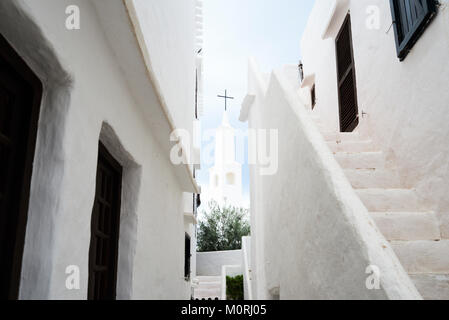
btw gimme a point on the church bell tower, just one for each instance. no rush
(225, 177)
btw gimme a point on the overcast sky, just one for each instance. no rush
(268, 30)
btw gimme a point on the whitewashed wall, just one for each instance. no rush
(88, 96)
(406, 102)
(173, 52)
(312, 238)
(210, 263)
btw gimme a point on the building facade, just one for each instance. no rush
(99, 89)
(360, 193)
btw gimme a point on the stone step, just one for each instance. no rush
(423, 256)
(208, 278)
(201, 293)
(341, 136)
(212, 293)
(373, 178)
(386, 200)
(352, 146)
(408, 225)
(360, 160)
(210, 285)
(432, 286)
(315, 118)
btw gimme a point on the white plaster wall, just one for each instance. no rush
(319, 60)
(312, 237)
(151, 249)
(257, 86)
(210, 263)
(173, 53)
(406, 102)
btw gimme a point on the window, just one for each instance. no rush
(410, 19)
(20, 99)
(230, 178)
(313, 97)
(187, 256)
(301, 71)
(103, 252)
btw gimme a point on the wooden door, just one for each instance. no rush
(20, 98)
(347, 91)
(105, 225)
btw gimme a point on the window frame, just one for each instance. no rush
(406, 41)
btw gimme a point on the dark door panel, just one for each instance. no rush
(105, 224)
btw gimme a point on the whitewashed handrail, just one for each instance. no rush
(320, 239)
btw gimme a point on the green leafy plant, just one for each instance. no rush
(234, 288)
(222, 228)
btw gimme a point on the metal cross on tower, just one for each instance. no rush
(226, 99)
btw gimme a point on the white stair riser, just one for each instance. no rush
(316, 119)
(423, 256)
(360, 160)
(397, 212)
(204, 291)
(432, 286)
(372, 178)
(209, 285)
(407, 225)
(341, 137)
(395, 200)
(352, 146)
(207, 293)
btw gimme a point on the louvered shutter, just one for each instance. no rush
(410, 18)
(347, 92)
(105, 225)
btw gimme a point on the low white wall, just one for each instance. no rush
(314, 238)
(246, 268)
(210, 263)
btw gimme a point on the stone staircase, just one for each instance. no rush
(406, 223)
(207, 288)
